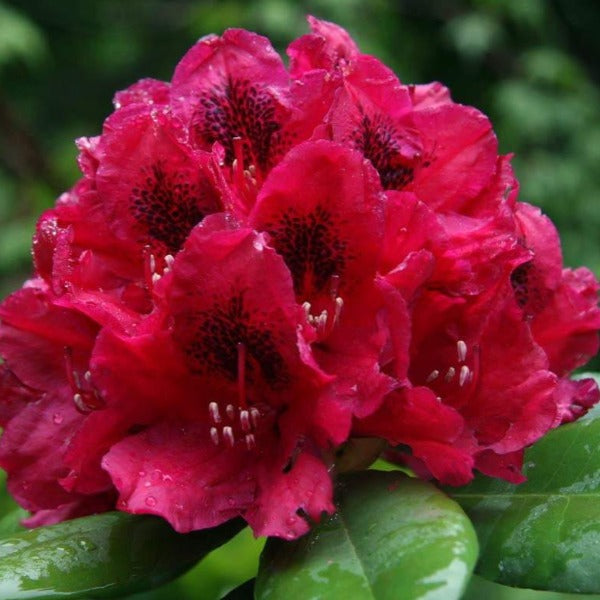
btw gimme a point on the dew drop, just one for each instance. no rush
(167, 478)
(86, 545)
(230, 501)
(290, 535)
(122, 504)
(150, 501)
(147, 484)
(142, 473)
(57, 418)
(156, 475)
(291, 521)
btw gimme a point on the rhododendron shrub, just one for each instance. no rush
(260, 264)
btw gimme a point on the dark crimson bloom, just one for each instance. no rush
(259, 265)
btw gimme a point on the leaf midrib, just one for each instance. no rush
(346, 531)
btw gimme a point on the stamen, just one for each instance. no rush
(245, 420)
(464, 375)
(87, 376)
(339, 304)
(432, 376)
(230, 411)
(241, 365)
(306, 307)
(237, 166)
(250, 441)
(335, 285)
(169, 260)
(214, 436)
(152, 262)
(228, 435)
(76, 379)
(80, 404)
(155, 278)
(450, 374)
(213, 409)
(461, 350)
(254, 415)
(73, 384)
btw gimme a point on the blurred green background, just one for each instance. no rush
(532, 65)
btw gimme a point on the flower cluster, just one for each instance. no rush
(260, 263)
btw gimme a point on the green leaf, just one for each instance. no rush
(101, 556)
(392, 537)
(482, 588)
(544, 533)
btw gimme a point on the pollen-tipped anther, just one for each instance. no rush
(245, 420)
(228, 435)
(432, 376)
(213, 409)
(464, 375)
(339, 304)
(450, 374)
(461, 350)
(254, 415)
(214, 436)
(250, 441)
(230, 410)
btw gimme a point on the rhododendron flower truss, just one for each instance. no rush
(260, 265)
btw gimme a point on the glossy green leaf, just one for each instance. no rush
(544, 533)
(392, 537)
(480, 588)
(101, 556)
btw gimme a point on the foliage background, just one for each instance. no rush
(533, 66)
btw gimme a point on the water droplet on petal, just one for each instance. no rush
(142, 473)
(57, 418)
(290, 535)
(230, 501)
(291, 521)
(150, 501)
(122, 504)
(156, 475)
(147, 484)
(167, 478)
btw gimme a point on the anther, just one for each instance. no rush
(432, 376)
(80, 404)
(306, 306)
(339, 304)
(155, 278)
(230, 411)
(169, 260)
(464, 375)
(214, 436)
(213, 409)
(450, 374)
(461, 350)
(250, 441)
(76, 379)
(228, 435)
(245, 420)
(254, 415)
(152, 263)
(87, 376)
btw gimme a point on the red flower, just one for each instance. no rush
(258, 264)
(235, 410)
